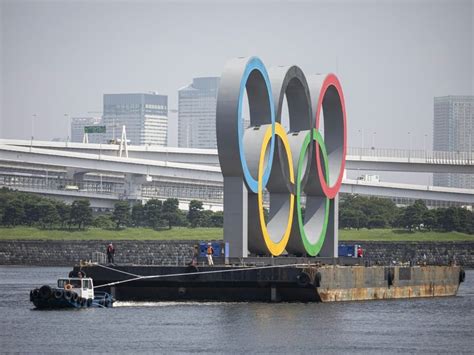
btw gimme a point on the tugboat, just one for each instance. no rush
(71, 292)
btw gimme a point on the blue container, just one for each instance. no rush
(346, 250)
(202, 249)
(217, 249)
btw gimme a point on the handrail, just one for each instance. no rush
(432, 157)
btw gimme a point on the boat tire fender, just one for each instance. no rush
(67, 294)
(58, 294)
(45, 291)
(462, 275)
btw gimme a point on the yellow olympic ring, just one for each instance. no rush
(275, 248)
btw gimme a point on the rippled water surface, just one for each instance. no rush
(439, 325)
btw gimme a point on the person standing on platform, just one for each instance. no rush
(110, 253)
(360, 252)
(210, 251)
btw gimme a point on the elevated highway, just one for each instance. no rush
(396, 160)
(137, 178)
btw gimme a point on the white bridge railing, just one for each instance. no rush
(430, 157)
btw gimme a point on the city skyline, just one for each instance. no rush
(392, 58)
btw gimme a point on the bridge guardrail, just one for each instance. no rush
(431, 157)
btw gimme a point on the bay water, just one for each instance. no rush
(430, 325)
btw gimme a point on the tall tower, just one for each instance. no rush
(145, 117)
(197, 113)
(453, 131)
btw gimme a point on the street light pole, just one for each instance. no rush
(409, 146)
(68, 128)
(33, 117)
(361, 131)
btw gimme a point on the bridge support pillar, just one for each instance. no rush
(133, 186)
(77, 176)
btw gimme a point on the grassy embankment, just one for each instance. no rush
(176, 233)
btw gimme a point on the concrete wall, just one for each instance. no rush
(67, 253)
(440, 253)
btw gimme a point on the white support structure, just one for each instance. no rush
(123, 143)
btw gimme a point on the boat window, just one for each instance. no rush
(76, 283)
(62, 283)
(85, 284)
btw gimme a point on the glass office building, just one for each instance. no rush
(145, 116)
(453, 128)
(197, 113)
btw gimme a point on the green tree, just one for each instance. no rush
(138, 215)
(413, 216)
(31, 211)
(376, 221)
(450, 219)
(103, 221)
(14, 213)
(81, 213)
(430, 219)
(153, 209)
(206, 218)
(47, 214)
(170, 212)
(64, 213)
(121, 215)
(195, 213)
(217, 219)
(352, 218)
(466, 221)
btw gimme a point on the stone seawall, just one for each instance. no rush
(437, 253)
(173, 252)
(68, 253)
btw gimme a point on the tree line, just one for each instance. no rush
(27, 209)
(371, 212)
(158, 214)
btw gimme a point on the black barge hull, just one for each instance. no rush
(309, 283)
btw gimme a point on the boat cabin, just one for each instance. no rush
(84, 287)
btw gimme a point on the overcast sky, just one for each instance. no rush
(392, 57)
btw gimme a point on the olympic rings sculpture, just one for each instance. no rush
(289, 163)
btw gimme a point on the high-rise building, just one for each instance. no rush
(453, 131)
(197, 113)
(77, 129)
(145, 117)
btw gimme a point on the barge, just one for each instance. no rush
(298, 282)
